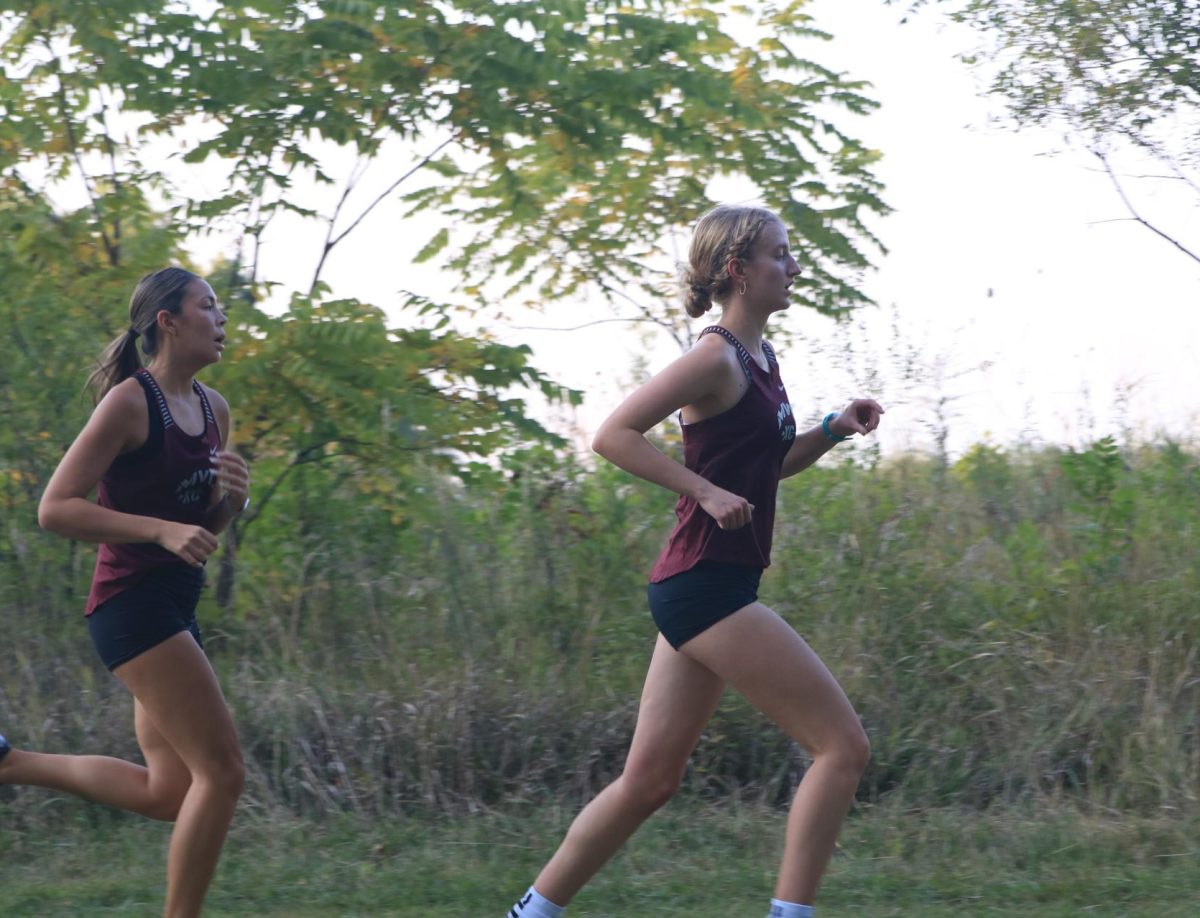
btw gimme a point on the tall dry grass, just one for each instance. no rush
(1018, 625)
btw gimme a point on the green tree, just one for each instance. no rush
(554, 148)
(561, 140)
(58, 288)
(329, 383)
(1119, 73)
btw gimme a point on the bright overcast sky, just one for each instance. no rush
(1030, 314)
(1002, 254)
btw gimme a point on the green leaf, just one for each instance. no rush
(439, 241)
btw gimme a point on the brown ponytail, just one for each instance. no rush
(159, 290)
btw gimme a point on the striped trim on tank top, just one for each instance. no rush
(161, 401)
(744, 354)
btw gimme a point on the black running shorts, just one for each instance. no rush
(690, 602)
(157, 607)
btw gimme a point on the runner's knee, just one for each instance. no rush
(224, 771)
(650, 788)
(165, 807)
(852, 750)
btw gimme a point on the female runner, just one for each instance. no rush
(167, 487)
(740, 439)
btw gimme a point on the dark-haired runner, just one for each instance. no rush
(154, 446)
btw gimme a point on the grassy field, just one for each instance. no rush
(692, 860)
(1017, 629)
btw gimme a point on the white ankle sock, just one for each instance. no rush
(534, 905)
(781, 909)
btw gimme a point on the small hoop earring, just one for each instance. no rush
(742, 292)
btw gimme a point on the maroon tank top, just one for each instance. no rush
(170, 477)
(742, 451)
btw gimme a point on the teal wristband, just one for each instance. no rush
(829, 434)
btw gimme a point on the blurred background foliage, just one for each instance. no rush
(1016, 626)
(435, 603)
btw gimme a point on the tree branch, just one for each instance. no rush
(331, 241)
(1151, 175)
(259, 229)
(254, 227)
(570, 328)
(112, 167)
(1138, 217)
(314, 453)
(355, 174)
(114, 254)
(1156, 149)
(650, 316)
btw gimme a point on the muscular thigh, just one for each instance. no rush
(167, 769)
(181, 702)
(679, 697)
(763, 658)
